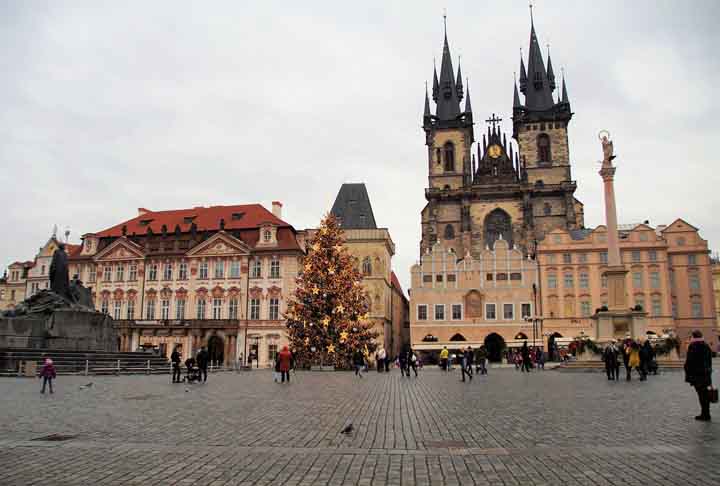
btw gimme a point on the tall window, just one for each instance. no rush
(656, 305)
(256, 269)
(150, 309)
(200, 314)
(219, 269)
(636, 256)
(274, 309)
(217, 308)
(182, 271)
(275, 268)
(152, 272)
(203, 271)
(525, 310)
(567, 258)
(490, 312)
(120, 273)
(640, 300)
(498, 224)
(692, 259)
(167, 271)
(569, 283)
(603, 281)
(107, 273)
(569, 307)
(439, 312)
(180, 309)
(130, 309)
(583, 258)
(603, 257)
(508, 312)
(637, 280)
(652, 255)
(117, 311)
(165, 309)
(233, 309)
(422, 312)
(104, 307)
(272, 352)
(655, 280)
(584, 280)
(697, 309)
(254, 309)
(235, 269)
(457, 312)
(449, 150)
(585, 308)
(366, 266)
(694, 281)
(267, 236)
(132, 273)
(543, 148)
(449, 232)
(552, 281)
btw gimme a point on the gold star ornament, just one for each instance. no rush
(331, 348)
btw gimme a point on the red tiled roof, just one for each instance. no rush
(396, 283)
(72, 250)
(28, 263)
(208, 219)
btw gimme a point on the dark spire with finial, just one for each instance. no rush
(448, 102)
(468, 106)
(564, 89)
(516, 97)
(426, 113)
(459, 83)
(436, 84)
(538, 93)
(550, 73)
(523, 75)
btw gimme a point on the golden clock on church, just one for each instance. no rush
(494, 151)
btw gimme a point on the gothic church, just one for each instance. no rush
(517, 195)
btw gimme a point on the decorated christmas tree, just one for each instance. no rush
(327, 316)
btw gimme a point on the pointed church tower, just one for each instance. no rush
(540, 127)
(449, 137)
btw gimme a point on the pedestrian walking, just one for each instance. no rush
(175, 359)
(202, 363)
(525, 353)
(285, 360)
(444, 358)
(646, 354)
(48, 374)
(412, 362)
(633, 351)
(276, 368)
(540, 358)
(386, 363)
(481, 360)
(698, 372)
(359, 362)
(467, 363)
(380, 359)
(610, 357)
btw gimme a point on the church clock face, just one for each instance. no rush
(494, 151)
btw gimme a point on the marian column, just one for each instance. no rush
(619, 320)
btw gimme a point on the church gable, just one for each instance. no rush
(220, 244)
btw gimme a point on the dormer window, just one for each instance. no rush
(237, 216)
(145, 222)
(188, 219)
(267, 236)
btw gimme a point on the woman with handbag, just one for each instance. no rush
(698, 372)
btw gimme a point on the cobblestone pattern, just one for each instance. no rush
(508, 428)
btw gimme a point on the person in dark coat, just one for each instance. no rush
(175, 359)
(525, 353)
(358, 362)
(698, 372)
(48, 374)
(646, 354)
(480, 360)
(412, 362)
(202, 362)
(612, 365)
(403, 359)
(467, 363)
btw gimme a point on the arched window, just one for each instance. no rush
(449, 232)
(498, 224)
(367, 266)
(537, 80)
(449, 157)
(543, 148)
(458, 337)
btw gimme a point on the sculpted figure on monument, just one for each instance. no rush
(59, 277)
(607, 147)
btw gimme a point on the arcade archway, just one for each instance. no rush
(216, 350)
(495, 345)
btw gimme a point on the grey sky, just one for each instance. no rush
(109, 106)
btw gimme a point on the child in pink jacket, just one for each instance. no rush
(48, 374)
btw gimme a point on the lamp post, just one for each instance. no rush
(257, 352)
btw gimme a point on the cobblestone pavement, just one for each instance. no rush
(508, 428)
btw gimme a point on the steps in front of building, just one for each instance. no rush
(600, 366)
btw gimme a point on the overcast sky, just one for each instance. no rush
(110, 106)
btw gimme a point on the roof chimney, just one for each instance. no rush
(142, 211)
(277, 209)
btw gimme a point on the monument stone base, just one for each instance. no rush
(613, 324)
(63, 329)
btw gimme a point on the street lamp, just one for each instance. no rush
(537, 330)
(257, 352)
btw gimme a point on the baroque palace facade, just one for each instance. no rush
(215, 276)
(504, 253)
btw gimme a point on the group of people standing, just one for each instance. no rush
(196, 367)
(468, 358)
(635, 357)
(526, 358)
